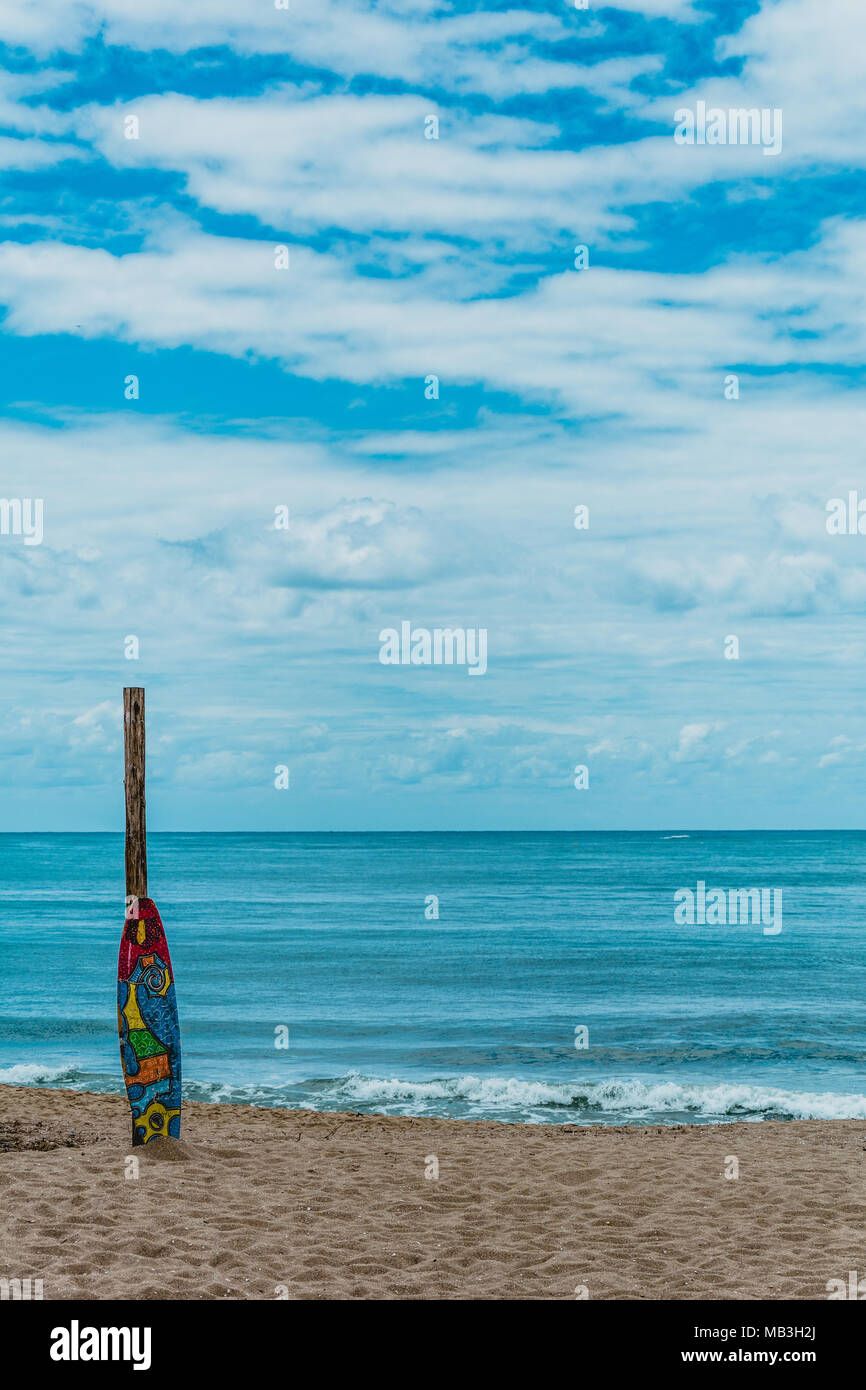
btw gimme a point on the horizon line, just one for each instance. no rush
(483, 830)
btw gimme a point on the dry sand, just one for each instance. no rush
(338, 1206)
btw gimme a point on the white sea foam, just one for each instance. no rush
(35, 1074)
(633, 1099)
(616, 1100)
(506, 1091)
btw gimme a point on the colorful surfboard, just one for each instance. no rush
(146, 1003)
(148, 1026)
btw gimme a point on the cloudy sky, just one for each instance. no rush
(262, 388)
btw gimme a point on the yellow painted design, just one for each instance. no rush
(141, 933)
(131, 1011)
(155, 1111)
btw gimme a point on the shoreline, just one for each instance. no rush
(473, 1097)
(269, 1203)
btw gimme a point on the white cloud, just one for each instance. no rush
(304, 161)
(415, 41)
(692, 745)
(774, 583)
(301, 159)
(579, 339)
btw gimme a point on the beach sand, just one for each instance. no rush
(263, 1203)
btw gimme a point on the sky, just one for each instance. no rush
(696, 385)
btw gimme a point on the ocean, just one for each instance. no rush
(555, 986)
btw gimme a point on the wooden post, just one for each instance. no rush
(133, 781)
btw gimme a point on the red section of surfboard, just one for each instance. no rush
(148, 924)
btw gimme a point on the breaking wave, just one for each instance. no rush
(616, 1101)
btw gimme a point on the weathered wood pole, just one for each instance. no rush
(133, 781)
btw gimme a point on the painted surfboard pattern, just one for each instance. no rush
(148, 1027)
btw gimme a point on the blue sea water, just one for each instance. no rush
(471, 1015)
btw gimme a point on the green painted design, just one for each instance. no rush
(144, 1044)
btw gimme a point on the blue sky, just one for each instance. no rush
(304, 388)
